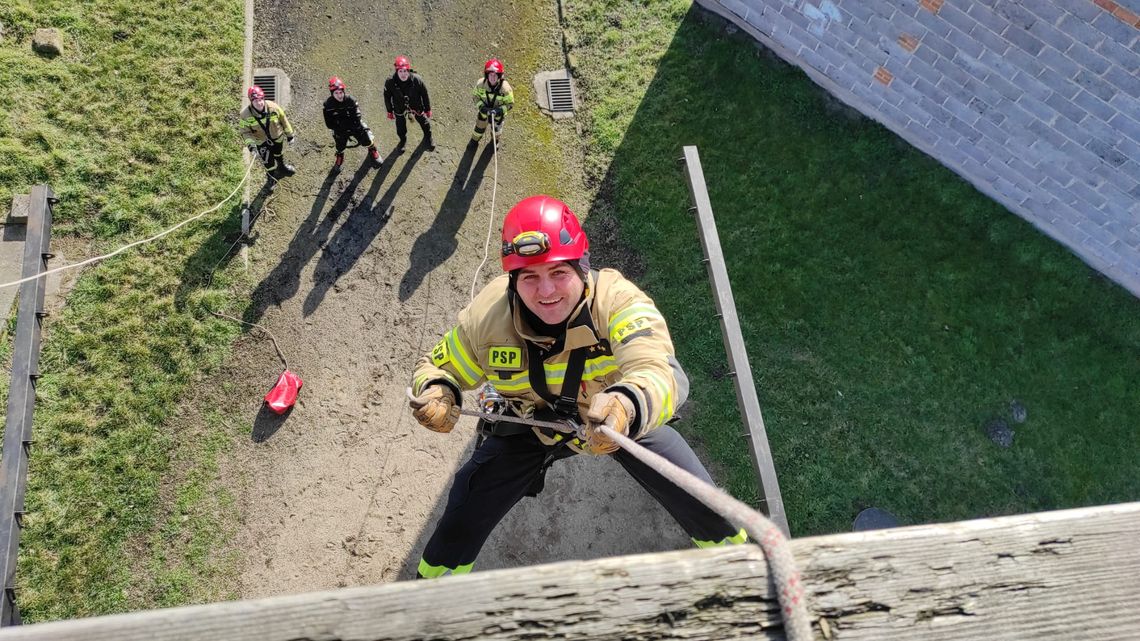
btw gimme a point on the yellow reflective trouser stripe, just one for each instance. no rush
(643, 309)
(468, 369)
(662, 388)
(556, 374)
(737, 539)
(429, 571)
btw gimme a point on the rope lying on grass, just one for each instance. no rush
(137, 242)
(273, 338)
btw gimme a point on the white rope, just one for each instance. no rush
(273, 338)
(491, 215)
(137, 242)
(789, 584)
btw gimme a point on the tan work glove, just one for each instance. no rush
(435, 408)
(614, 410)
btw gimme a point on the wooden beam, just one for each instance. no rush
(1055, 575)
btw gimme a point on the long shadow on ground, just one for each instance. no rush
(438, 242)
(283, 282)
(357, 233)
(216, 251)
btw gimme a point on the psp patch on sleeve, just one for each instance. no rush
(633, 328)
(439, 354)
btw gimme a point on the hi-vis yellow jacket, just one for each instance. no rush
(487, 96)
(631, 351)
(253, 125)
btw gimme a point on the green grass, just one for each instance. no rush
(190, 561)
(889, 309)
(132, 127)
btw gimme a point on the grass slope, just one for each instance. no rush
(889, 309)
(132, 127)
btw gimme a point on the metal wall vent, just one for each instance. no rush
(559, 94)
(268, 84)
(275, 83)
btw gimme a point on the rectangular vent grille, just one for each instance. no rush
(268, 84)
(559, 93)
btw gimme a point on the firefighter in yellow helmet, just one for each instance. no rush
(265, 129)
(493, 98)
(561, 343)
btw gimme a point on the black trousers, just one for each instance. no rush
(271, 153)
(402, 126)
(503, 468)
(362, 135)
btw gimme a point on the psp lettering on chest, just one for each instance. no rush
(505, 358)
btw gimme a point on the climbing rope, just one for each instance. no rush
(268, 333)
(789, 585)
(137, 242)
(491, 215)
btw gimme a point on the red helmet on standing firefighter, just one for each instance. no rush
(335, 83)
(493, 65)
(541, 229)
(255, 93)
(402, 62)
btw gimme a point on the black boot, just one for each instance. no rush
(400, 145)
(284, 171)
(430, 144)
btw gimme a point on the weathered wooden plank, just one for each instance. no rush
(1056, 575)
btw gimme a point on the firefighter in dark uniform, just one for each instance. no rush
(265, 129)
(406, 96)
(343, 117)
(558, 342)
(494, 97)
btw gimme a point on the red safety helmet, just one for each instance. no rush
(402, 62)
(335, 83)
(493, 65)
(255, 93)
(541, 229)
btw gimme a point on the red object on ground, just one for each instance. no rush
(284, 393)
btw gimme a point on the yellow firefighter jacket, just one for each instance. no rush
(491, 97)
(254, 126)
(630, 351)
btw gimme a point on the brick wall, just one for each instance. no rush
(1035, 102)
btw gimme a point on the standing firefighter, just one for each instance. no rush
(265, 129)
(563, 343)
(493, 97)
(406, 96)
(343, 117)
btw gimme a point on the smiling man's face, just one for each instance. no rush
(550, 290)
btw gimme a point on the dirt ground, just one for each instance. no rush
(359, 274)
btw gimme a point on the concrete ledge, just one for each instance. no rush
(18, 214)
